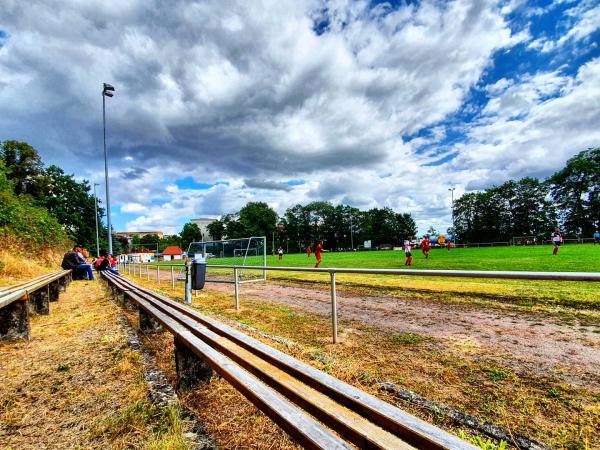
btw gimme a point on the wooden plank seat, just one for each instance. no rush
(32, 296)
(323, 402)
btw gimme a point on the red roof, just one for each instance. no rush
(172, 250)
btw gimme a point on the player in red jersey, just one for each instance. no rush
(318, 250)
(426, 246)
(308, 250)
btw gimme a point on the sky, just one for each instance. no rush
(367, 103)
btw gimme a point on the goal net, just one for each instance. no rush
(525, 240)
(243, 252)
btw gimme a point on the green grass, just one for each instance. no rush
(571, 258)
(527, 295)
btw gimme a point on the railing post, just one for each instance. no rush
(333, 308)
(158, 274)
(237, 289)
(188, 283)
(172, 278)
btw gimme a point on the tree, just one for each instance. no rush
(432, 231)
(234, 229)
(576, 192)
(168, 240)
(72, 204)
(190, 233)
(25, 168)
(216, 229)
(258, 219)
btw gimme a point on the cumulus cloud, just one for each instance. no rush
(335, 94)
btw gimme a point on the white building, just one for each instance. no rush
(203, 223)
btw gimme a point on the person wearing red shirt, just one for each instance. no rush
(426, 246)
(318, 250)
(308, 250)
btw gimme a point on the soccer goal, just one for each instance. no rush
(524, 240)
(251, 251)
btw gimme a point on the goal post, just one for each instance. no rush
(524, 240)
(250, 251)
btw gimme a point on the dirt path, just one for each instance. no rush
(526, 342)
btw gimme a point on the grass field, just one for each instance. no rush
(571, 258)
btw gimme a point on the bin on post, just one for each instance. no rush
(198, 273)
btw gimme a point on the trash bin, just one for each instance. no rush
(198, 273)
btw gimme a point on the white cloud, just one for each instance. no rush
(248, 93)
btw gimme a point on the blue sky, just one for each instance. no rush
(369, 103)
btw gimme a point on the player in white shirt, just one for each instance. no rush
(408, 253)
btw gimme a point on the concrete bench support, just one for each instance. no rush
(149, 324)
(39, 302)
(53, 291)
(14, 322)
(191, 370)
(127, 303)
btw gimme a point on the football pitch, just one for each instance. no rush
(570, 258)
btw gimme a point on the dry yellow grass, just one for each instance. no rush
(77, 384)
(17, 264)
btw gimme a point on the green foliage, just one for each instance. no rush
(190, 233)
(258, 219)
(67, 200)
(496, 374)
(576, 190)
(167, 240)
(72, 204)
(569, 199)
(479, 442)
(408, 338)
(515, 208)
(25, 221)
(25, 169)
(343, 226)
(216, 230)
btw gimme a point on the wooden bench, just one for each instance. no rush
(315, 408)
(33, 296)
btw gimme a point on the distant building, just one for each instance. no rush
(130, 234)
(203, 223)
(172, 252)
(138, 257)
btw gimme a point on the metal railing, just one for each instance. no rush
(496, 274)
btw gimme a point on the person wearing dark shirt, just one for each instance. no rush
(73, 261)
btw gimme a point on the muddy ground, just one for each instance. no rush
(529, 342)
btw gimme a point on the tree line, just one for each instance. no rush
(340, 226)
(569, 199)
(57, 196)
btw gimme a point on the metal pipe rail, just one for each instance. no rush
(285, 388)
(514, 275)
(503, 274)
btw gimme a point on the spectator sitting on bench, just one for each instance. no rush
(73, 260)
(105, 262)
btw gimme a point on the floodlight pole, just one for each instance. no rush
(107, 91)
(96, 216)
(453, 225)
(351, 234)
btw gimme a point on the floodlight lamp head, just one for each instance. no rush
(108, 90)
